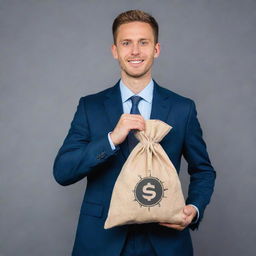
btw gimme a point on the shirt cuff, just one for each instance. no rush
(111, 142)
(197, 216)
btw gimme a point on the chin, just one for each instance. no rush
(136, 75)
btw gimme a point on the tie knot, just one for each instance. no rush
(135, 100)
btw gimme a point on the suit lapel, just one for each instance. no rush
(114, 108)
(113, 105)
(161, 106)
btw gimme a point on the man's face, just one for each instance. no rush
(135, 49)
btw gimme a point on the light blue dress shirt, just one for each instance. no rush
(145, 106)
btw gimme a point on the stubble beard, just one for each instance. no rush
(132, 75)
(136, 75)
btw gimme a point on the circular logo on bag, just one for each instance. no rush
(149, 191)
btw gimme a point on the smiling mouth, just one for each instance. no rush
(135, 61)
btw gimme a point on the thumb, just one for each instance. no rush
(187, 210)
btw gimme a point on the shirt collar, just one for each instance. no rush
(146, 93)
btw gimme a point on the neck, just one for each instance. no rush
(136, 85)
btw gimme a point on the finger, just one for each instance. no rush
(134, 124)
(131, 122)
(137, 117)
(132, 116)
(188, 220)
(174, 226)
(181, 224)
(169, 225)
(187, 210)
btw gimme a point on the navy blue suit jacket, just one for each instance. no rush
(86, 152)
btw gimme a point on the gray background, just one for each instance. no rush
(54, 52)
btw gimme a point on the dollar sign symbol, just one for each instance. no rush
(147, 189)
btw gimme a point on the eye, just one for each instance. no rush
(144, 42)
(125, 43)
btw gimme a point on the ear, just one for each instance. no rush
(157, 50)
(114, 51)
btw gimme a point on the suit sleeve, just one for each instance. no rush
(79, 155)
(202, 174)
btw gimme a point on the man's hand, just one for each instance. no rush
(126, 123)
(189, 213)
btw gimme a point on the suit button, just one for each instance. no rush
(101, 155)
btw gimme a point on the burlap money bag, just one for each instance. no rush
(148, 187)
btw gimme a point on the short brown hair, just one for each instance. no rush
(131, 16)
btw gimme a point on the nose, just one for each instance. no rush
(135, 49)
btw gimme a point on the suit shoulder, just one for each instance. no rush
(96, 97)
(177, 98)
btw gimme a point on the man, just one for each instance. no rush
(96, 147)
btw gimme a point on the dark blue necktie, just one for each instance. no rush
(132, 141)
